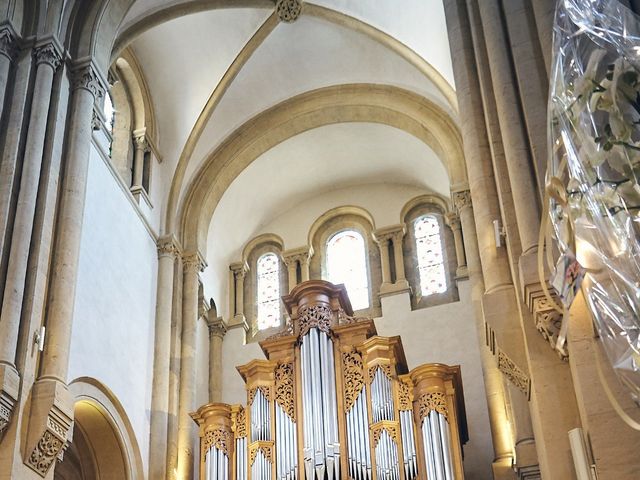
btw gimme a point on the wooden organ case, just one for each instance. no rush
(333, 400)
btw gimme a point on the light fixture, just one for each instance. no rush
(38, 338)
(499, 232)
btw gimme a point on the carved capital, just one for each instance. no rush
(9, 388)
(48, 54)
(302, 255)
(394, 233)
(288, 11)
(462, 199)
(168, 247)
(193, 263)
(217, 328)
(453, 220)
(239, 269)
(513, 373)
(8, 42)
(140, 141)
(86, 78)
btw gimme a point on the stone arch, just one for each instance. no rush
(104, 444)
(259, 240)
(434, 199)
(382, 104)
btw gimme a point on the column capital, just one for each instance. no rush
(217, 327)
(391, 232)
(140, 140)
(8, 42)
(193, 262)
(452, 219)
(300, 254)
(461, 199)
(85, 76)
(48, 52)
(239, 269)
(168, 246)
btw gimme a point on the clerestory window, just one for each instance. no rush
(430, 255)
(268, 291)
(347, 264)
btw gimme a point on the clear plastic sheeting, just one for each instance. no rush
(594, 167)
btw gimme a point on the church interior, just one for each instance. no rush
(304, 239)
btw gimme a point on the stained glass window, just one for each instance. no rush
(346, 263)
(430, 256)
(268, 272)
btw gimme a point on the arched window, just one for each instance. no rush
(433, 278)
(347, 263)
(268, 273)
(109, 113)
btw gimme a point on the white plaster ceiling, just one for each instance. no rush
(183, 60)
(267, 196)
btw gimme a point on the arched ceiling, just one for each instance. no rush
(212, 66)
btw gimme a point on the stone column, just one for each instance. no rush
(86, 86)
(239, 270)
(304, 267)
(141, 147)
(526, 197)
(452, 219)
(292, 271)
(8, 52)
(168, 250)
(217, 331)
(51, 404)
(193, 265)
(48, 59)
(393, 234)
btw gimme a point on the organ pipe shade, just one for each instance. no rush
(334, 400)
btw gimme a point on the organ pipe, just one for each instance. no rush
(334, 400)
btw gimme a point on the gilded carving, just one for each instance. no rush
(288, 10)
(318, 316)
(392, 430)
(344, 319)
(404, 394)
(252, 393)
(285, 389)
(45, 453)
(385, 367)
(353, 378)
(253, 451)
(432, 401)
(513, 373)
(218, 438)
(241, 423)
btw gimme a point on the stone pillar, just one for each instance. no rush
(239, 270)
(294, 257)
(8, 52)
(292, 271)
(193, 265)
(48, 59)
(141, 146)
(304, 267)
(217, 331)
(168, 250)
(453, 221)
(526, 197)
(393, 234)
(51, 404)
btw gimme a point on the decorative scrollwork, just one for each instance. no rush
(318, 316)
(45, 453)
(344, 319)
(218, 438)
(513, 373)
(241, 423)
(392, 430)
(432, 401)
(266, 451)
(252, 393)
(404, 394)
(386, 369)
(353, 377)
(285, 389)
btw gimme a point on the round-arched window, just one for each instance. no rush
(268, 273)
(347, 264)
(430, 256)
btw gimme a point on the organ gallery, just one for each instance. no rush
(332, 400)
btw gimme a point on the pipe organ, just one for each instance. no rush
(334, 400)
